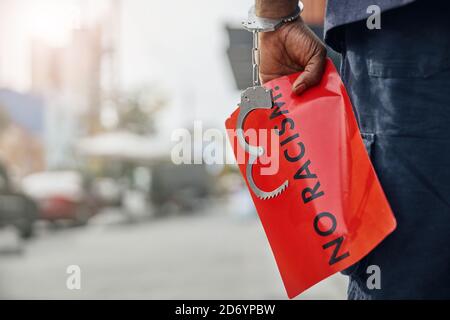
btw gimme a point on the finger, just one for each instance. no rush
(312, 74)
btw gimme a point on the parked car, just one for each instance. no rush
(16, 208)
(60, 195)
(182, 185)
(107, 191)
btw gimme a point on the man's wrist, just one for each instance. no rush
(275, 9)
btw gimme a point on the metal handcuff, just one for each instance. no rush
(258, 97)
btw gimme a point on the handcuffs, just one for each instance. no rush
(258, 97)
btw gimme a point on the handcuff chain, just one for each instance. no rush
(256, 54)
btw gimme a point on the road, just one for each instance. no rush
(210, 255)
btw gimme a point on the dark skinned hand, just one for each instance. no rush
(292, 48)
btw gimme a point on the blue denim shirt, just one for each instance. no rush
(398, 79)
(343, 12)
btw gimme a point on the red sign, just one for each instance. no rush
(329, 209)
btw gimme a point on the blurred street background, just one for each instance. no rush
(90, 94)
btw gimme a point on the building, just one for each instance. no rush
(21, 132)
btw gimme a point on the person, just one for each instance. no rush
(398, 78)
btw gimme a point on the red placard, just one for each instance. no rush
(333, 211)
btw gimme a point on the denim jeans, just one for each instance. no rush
(398, 79)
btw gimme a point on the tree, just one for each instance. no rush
(5, 120)
(138, 111)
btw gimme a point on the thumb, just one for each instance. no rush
(312, 74)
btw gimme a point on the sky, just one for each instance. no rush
(182, 45)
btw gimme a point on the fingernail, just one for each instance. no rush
(299, 87)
